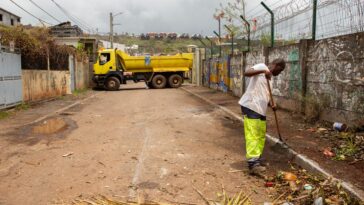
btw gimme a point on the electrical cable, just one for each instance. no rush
(39, 19)
(85, 27)
(35, 4)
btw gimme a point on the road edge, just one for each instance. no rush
(60, 110)
(300, 159)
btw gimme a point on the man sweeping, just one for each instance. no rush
(254, 105)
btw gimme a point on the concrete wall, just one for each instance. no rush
(335, 77)
(82, 74)
(236, 75)
(43, 84)
(323, 79)
(287, 87)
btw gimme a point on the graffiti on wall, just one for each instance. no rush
(214, 73)
(336, 72)
(223, 68)
(236, 75)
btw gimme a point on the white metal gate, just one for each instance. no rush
(10, 78)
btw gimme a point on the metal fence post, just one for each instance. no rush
(272, 22)
(314, 18)
(218, 35)
(232, 39)
(211, 46)
(210, 61)
(205, 47)
(242, 17)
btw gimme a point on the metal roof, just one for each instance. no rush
(9, 12)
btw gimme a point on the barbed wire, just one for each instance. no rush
(293, 20)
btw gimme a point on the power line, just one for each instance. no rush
(85, 27)
(39, 19)
(70, 16)
(35, 4)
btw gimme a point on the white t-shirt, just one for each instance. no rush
(256, 96)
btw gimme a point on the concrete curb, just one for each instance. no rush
(299, 159)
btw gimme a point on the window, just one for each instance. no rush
(18, 20)
(1, 17)
(104, 58)
(12, 22)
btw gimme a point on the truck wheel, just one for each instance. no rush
(112, 84)
(175, 81)
(149, 84)
(159, 81)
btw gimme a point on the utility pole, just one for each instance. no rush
(112, 28)
(111, 31)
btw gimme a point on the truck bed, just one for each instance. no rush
(178, 62)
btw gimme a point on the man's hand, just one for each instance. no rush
(274, 107)
(268, 74)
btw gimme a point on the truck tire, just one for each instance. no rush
(112, 84)
(159, 81)
(149, 84)
(175, 81)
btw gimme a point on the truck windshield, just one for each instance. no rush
(104, 58)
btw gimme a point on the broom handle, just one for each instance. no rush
(275, 113)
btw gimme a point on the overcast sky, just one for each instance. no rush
(140, 16)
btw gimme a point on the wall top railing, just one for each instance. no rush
(9, 50)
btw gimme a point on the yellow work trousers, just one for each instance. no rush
(254, 137)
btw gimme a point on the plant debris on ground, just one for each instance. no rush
(347, 145)
(299, 187)
(223, 198)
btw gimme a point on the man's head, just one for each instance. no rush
(277, 66)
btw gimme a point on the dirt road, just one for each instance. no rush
(155, 144)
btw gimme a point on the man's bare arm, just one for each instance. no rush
(251, 72)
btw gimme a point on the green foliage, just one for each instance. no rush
(349, 148)
(79, 92)
(22, 106)
(80, 47)
(265, 39)
(154, 46)
(35, 45)
(3, 115)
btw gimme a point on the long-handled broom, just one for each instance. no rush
(275, 116)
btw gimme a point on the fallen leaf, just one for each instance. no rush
(68, 154)
(321, 129)
(288, 176)
(328, 153)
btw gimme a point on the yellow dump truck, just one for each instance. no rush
(114, 67)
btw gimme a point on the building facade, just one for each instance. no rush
(66, 30)
(9, 19)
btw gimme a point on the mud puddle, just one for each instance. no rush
(48, 130)
(50, 126)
